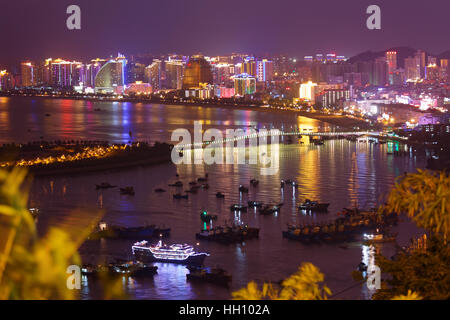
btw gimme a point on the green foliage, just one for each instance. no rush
(302, 285)
(425, 272)
(409, 296)
(31, 267)
(425, 197)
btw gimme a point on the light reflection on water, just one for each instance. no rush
(340, 172)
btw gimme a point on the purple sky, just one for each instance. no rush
(37, 28)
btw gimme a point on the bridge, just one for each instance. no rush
(275, 132)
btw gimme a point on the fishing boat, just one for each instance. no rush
(207, 217)
(269, 209)
(243, 189)
(379, 237)
(210, 275)
(176, 184)
(104, 185)
(128, 269)
(254, 204)
(309, 205)
(180, 196)
(238, 207)
(175, 253)
(127, 190)
(227, 234)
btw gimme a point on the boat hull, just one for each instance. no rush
(146, 256)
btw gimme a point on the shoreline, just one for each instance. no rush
(341, 121)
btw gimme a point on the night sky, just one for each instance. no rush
(35, 29)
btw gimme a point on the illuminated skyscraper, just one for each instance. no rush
(27, 73)
(244, 84)
(174, 74)
(111, 77)
(7, 80)
(420, 61)
(412, 70)
(153, 74)
(308, 91)
(445, 70)
(65, 74)
(197, 73)
(249, 66)
(380, 72)
(264, 70)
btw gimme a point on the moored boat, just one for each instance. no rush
(127, 190)
(238, 207)
(175, 253)
(309, 205)
(211, 275)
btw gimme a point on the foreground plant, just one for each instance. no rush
(31, 267)
(305, 284)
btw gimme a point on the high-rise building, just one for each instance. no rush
(111, 77)
(222, 73)
(412, 70)
(135, 72)
(308, 91)
(244, 84)
(197, 73)
(27, 74)
(432, 72)
(249, 66)
(153, 74)
(420, 61)
(380, 72)
(445, 69)
(174, 74)
(7, 80)
(391, 60)
(65, 74)
(264, 70)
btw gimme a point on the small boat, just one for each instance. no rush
(129, 269)
(220, 195)
(269, 209)
(127, 191)
(160, 190)
(180, 196)
(309, 205)
(192, 190)
(210, 275)
(34, 212)
(243, 189)
(207, 217)
(104, 185)
(205, 186)
(238, 207)
(192, 183)
(318, 142)
(379, 237)
(202, 179)
(254, 182)
(176, 184)
(254, 204)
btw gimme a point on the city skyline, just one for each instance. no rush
(215, 28)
